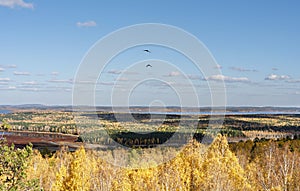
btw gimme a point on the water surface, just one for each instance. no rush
(4, 111)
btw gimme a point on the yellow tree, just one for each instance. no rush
(37, 168)
(274, 169)
(79, 174)
(168, 174)
(145, 179)
(188, 163)
(220, 169)
(60, 179)
(103, 173)
(178, 173)
(121, 181)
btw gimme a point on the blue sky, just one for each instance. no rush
(256, 44)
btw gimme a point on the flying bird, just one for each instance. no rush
(148, 65)
(146, 50)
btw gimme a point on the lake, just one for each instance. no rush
(4, 111)
(4, 133)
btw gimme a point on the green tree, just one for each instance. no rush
(13, 165)
(5, 125)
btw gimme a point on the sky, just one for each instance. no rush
(255, 45)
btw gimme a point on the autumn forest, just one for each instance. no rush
(49, 150)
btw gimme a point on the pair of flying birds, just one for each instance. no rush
(148, 51)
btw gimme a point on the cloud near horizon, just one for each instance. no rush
(21, 73)
(16, 3)
(8, 66)
(8, 88)
(220, 78)
(125, 72)
(293, 80)
(107, 83)
(30, 83)
(239, 69)
(11, 66)
(115, 71)
(86, 24)
(5, 80)
(174, 73)
(69, 81)
(54, 73)
(273, 77)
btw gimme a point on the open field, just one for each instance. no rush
(53, 127)
(40, 141)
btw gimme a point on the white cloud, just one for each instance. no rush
(12, 87)
(2, 69)
(123, 79)
(277, 77)
(86, 24)
(54, 89)
(220, 77)
(7, 88)
(30, 83)
(218, 66)
(122, 71)
(4, 80)
(11, 66)
(107, 83)
(22, 73)
(68, 89)
(29, 89)
(54, 73)
(125, 72)
(174, 73)
(239, 69)
(293, 80)
(70, 81)
(84, 82)
(114, 71)
(16, 3)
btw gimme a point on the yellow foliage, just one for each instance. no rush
(196, 167)
(60, 178)
(78, 178)
(220, 169)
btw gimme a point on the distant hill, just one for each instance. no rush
(231, 109)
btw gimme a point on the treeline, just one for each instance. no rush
(39, 127)
(137, 140)
(39, 121)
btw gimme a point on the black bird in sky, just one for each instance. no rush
(146, 50)
(148, 65)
